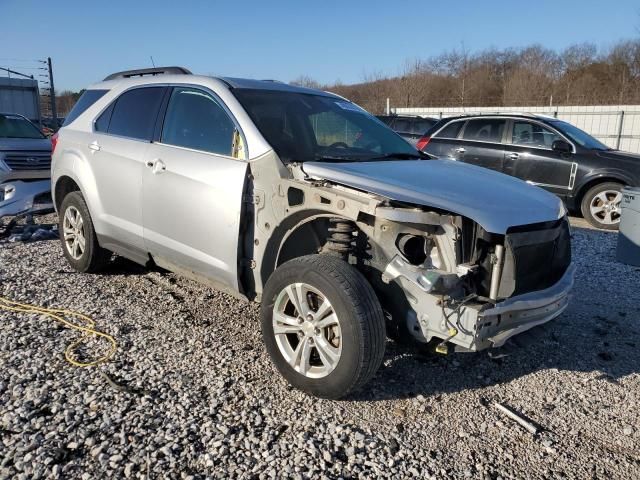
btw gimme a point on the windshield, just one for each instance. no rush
(580, 137)
(305, 127)
(15, 126)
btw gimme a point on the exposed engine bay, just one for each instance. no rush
(440, 276)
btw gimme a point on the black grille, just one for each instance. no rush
(537, 256)
(28, 160)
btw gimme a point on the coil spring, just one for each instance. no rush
(341, 236)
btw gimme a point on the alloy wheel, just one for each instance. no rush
(73, 231)
(605, 207)
(307, 330)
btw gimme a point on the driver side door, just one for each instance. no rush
(192, 188)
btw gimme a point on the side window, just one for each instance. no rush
(196, 120)
(450, 131)
(532, 135)
(402, 125)
(102, 123)
(135, 112)
(88, 98)
(484, 130)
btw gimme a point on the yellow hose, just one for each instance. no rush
(58, 315)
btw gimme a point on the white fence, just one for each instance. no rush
(617, 126)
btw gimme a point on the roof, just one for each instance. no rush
(170, 74)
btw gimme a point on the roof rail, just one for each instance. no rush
(148, 71)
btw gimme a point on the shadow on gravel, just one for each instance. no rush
(599, 332)
(123, 266)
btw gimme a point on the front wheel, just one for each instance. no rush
(601, 205)
(322, 325)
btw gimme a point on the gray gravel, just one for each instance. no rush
(192, 394)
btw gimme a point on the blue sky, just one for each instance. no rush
(326, 40)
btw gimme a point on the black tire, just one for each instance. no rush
(94, 257)
(361, 321)
(590, 196)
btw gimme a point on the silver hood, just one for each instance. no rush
(494, 200)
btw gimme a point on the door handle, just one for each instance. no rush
(461, 150)
(157, 166)
(94, 146)
(513, 156)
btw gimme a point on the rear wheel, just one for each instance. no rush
(79, 241)
(322, 325)
(601, 205)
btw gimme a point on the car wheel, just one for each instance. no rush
(322, 325)
(79, 241)
(601, 205)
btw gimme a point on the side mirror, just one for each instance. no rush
(561, 146)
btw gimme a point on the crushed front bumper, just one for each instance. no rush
(520, 313)
(18, 196)
(476, 326)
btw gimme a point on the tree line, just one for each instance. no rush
(529, 76)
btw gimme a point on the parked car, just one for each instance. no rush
(25, 165)
(300, 200)
(550, 153)
(411, 129)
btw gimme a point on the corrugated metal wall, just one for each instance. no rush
(618, 126)
(20, 95)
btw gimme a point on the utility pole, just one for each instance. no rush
(52, 94)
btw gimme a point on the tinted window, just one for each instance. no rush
(402, 125)
(196, 120)
(134, 114)
(88, 98)
(102, 123)
(304, 127)
(450, 131)
(421, 126)
(484, 130)
(532, 134)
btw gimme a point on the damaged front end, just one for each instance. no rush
(475, 289)
(19, 197)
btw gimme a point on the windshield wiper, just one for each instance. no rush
(335, 158)
(399, 156)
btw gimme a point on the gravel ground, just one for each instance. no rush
(193, 394)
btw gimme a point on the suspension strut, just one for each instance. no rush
(341, 237)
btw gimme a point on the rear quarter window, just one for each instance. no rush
(450, 131)
(135, 112)
(88, 98)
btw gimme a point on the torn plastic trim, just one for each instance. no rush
(18, 196)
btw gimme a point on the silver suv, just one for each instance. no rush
(301, 200)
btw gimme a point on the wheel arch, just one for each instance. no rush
(63, 186)
(592, 181)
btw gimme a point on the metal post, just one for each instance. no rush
(620, 123)
(52, 93)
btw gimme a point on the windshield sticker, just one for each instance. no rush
(350, 106)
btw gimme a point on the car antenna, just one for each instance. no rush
(152, 62)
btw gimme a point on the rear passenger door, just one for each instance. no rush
(117, 149)
(192, 188)
(481, 143)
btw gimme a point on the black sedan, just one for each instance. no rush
(547, 152)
